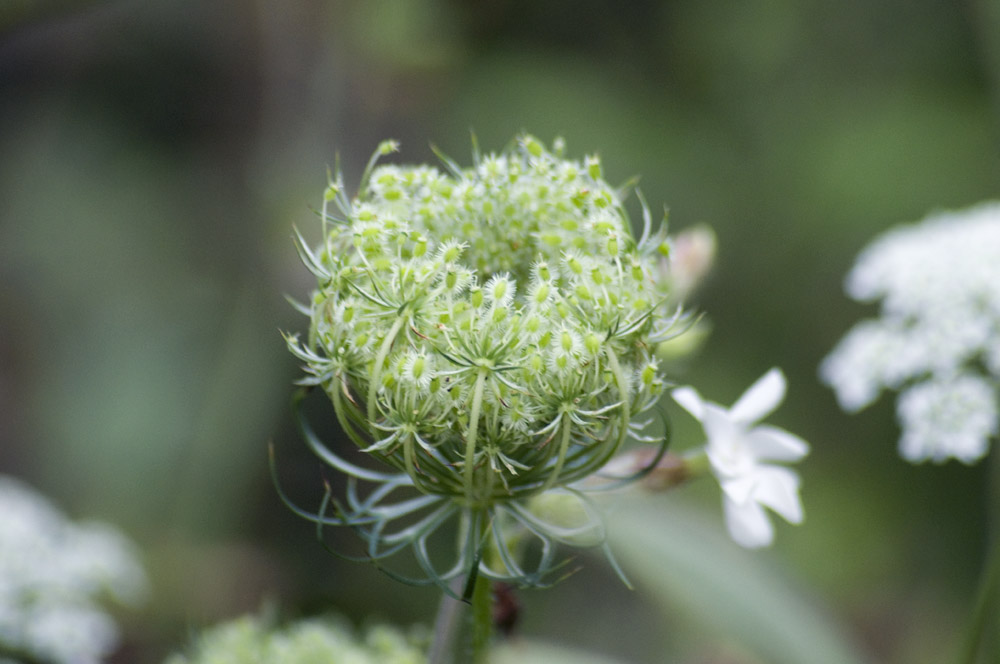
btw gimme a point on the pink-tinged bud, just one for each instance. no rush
(690, 260)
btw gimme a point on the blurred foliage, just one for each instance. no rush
(691, 571)
(154, 156)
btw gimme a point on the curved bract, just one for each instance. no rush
(486, 332)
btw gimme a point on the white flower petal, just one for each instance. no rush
(774, 444)
(740, 489)
(778, 488)
(760, 398)
(722, 432)
(690, 400)
(748, 524)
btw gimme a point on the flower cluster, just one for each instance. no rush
(937, 340)
(52, 575)
(488, 332)
(250, 640)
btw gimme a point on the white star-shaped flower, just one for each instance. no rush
(738, 450)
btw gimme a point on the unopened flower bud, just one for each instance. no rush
(388, 147)
(594, 167)
(533, 147)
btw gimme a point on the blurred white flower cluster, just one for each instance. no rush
(937, 340)
(53, 573)
(250, 640)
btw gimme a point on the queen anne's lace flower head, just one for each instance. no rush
(488, 332)
(938, 338)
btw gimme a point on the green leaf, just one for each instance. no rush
(691, 568)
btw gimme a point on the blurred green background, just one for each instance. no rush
(155, 155)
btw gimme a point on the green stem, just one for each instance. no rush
(561, 459)
(616, 370)
(379, 361)
(470, 436)
(338, 408)
(410, 462)
(462, 633)
(984, 610)
(482, 620)
(980, 636)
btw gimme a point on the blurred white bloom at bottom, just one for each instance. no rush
(331, 640)
(53, 574)
(737, 452)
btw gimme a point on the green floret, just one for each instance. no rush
(251, 640)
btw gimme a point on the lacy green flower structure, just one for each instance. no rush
(488, 334)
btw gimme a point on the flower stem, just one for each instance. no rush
(482, 620)
(462, 633)
(470, 436)
(561, 459)
(626, 409)
(980, 637)
(984, 610)
(379, 361)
